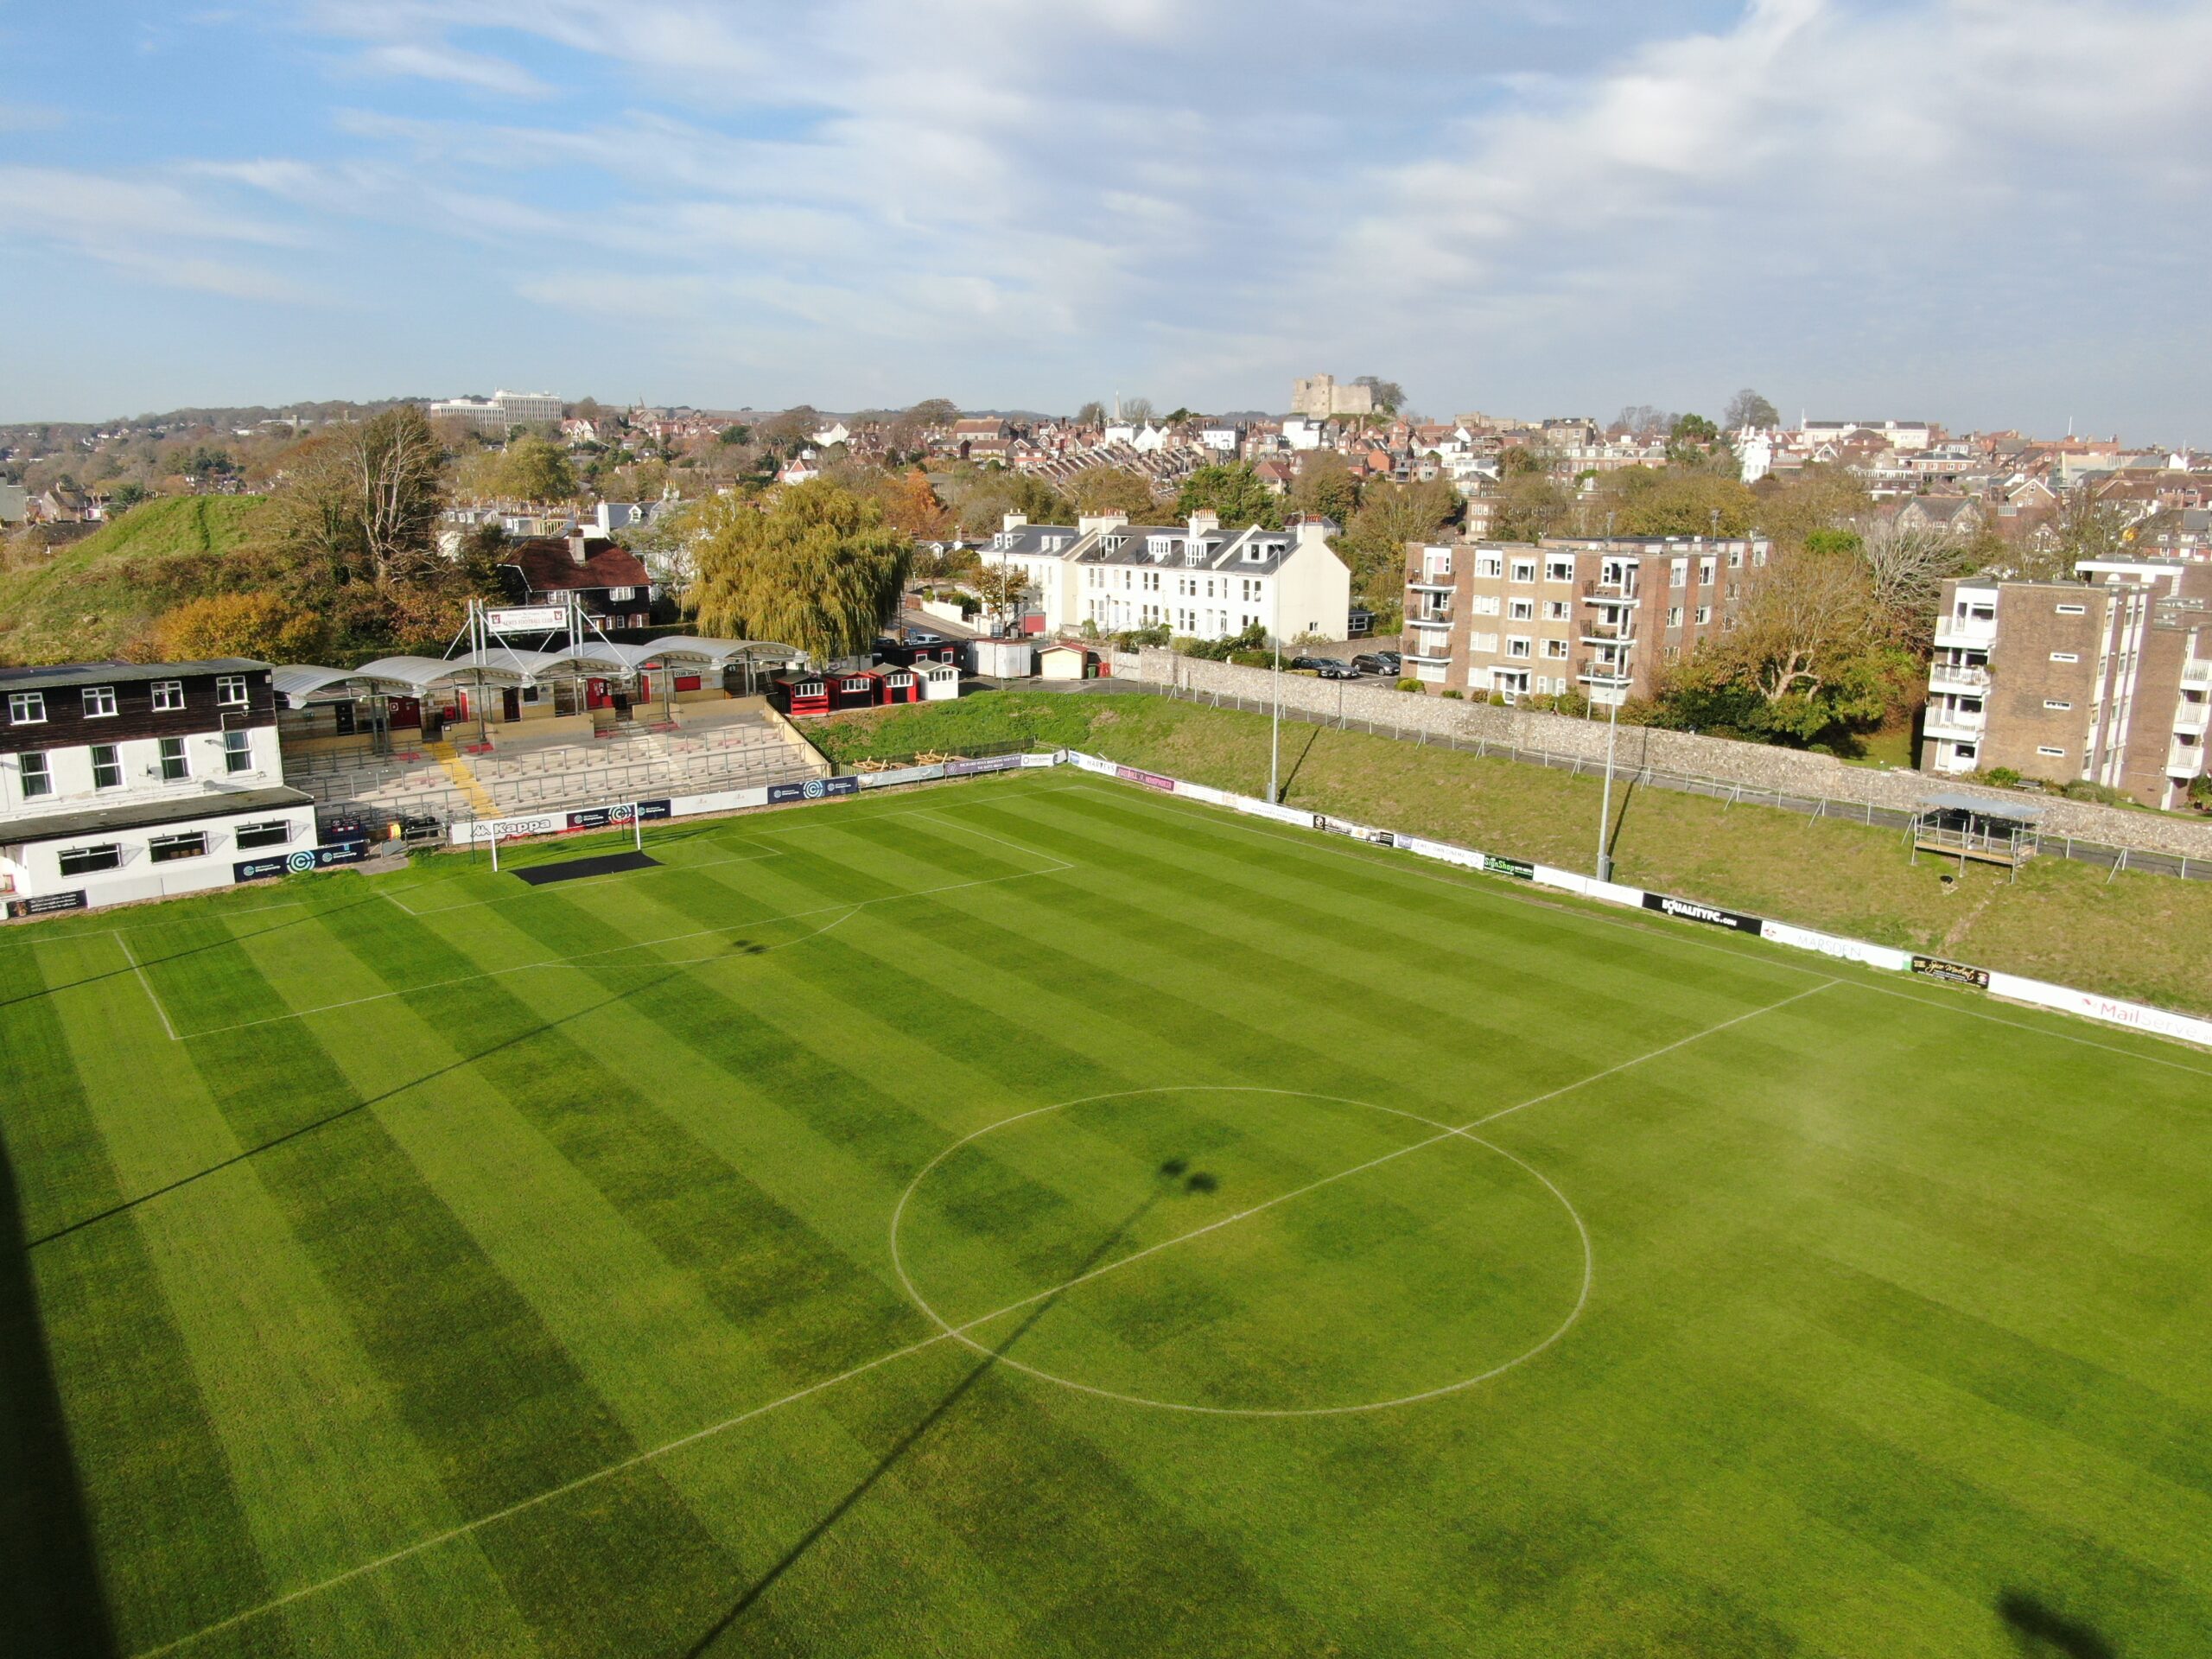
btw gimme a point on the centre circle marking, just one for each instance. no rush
(959, 1332)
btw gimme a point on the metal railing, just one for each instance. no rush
(2102, 855)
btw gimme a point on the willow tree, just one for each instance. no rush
(816, 568)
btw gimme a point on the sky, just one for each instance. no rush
(1986, 212)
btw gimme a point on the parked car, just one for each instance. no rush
(1327, 668)
(1386, 663)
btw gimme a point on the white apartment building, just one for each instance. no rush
(121, 781)
(1197, 580)
(494, 416)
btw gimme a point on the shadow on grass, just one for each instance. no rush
(51, 1601)
(1167, 1173)
(1312, 736)
(737, 947)
(2040, 1631)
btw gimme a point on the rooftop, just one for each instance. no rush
(121, 673)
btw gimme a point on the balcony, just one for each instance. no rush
(2193, 717)
(1951, 723)
(2184, 760)
(1598, 672)
(1970, 634)
(1619, 633)
(1596, 591)
(1436, 616)
(1419, 581)
(1951, 677)
(1433, 652)
(2198, 673)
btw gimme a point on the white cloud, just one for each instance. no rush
(448, 63)
(154, 229)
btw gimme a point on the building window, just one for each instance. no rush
(1489, 564)
(1524, 569)
(1485, 604)
(2065, 657)
(1674, 616)
(2056, 755)
(1482, 642)
(275, 833)
(1517, 645)
(1522, 610)
(229, 691)
(1704, 614)
(169, 696)
(1555, 649)
(107, 766)
(1678, 574)
(35, 777)
(167, 849)
(1557, 610)
(1735, 558)
(27, 707)
(100, 702)
(2053, 702)
(238, 752)
(176, 768)
(83, 861)
(2073, 610)
(1558, 569)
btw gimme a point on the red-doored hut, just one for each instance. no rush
(855, 688)
(899, 684)
(800, 693)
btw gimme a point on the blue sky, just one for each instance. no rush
(1982, 212)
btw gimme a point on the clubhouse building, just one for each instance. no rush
(122, 781)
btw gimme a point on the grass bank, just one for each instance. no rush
(2132, 936)
(94, 598)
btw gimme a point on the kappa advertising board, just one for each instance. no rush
(814, 789)
(1951, 973)
(1734, 920)
(46, 904)
(299, 861)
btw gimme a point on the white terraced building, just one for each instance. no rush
(1197, 579)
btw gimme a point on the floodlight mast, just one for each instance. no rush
(1275, 726)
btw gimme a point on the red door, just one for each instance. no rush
(596, 695)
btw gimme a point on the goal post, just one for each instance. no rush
(556, 825)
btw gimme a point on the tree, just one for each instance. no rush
(736, 433)
(1671, 501)
(265, 627)
(1803, 620)
(1644, 420)
(362, 500)
(932, 412)
(788, 433)
(1092, 414)
(1746, 408)
(1390, 395)
(534, 469)
(1108, 489)
(1234, 493)
(819, 570)
(1817, 498)
(1136, 410)
(1531, 505)
(1906, 569)
(912, 505)
(2083, 527)
(1003, 586)
(1389, 517)
(1326, 485)
(983, 498)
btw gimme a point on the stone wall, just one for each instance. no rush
(1755, 765)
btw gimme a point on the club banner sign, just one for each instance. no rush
(527, 618)
(1684, 910)
(814, 789)
(1517, 868)
(1951, 973)
(300, 862)
(1149, 780)
(46, 904)
(901, 775)
(989, 763)
(619, 814)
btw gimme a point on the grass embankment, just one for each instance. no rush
(94, 598)
(2133, 936)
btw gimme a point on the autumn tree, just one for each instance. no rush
(1108, 489)
(1529, 506)
(363, 500)
(912, 505)
(1671, 501)
(932, 412)
(264, 626)
(819, 570)
(535, 469)
(1905, 569)
(1003, 588)
(982, 498)
(1390, 395)
(1092, 414)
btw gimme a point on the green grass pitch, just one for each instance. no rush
(1038, 1216)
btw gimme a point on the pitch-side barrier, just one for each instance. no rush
(2012, 986)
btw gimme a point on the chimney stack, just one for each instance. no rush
(578, 543)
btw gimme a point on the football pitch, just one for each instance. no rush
(1039, 1217)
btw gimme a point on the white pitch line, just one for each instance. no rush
(954, 1333)
(144, 983)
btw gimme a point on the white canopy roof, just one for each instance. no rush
(690, 651)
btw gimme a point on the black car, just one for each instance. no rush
(1387, 662)
(1327, 668)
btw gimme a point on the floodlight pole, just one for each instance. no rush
(1275, 729)
(1605, 808)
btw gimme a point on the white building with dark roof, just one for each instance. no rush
(1198, 580)
(121, 781)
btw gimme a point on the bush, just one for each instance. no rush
(2200, 791)
(1452, 691)
(2004, 776)
(2080, 789)
(1409, 685)
(1250, 658)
